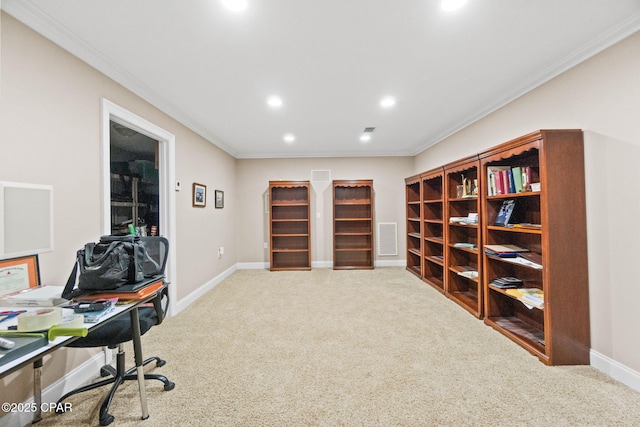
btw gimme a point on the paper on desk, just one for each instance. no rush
(40, 296)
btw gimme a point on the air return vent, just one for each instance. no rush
(369, 130)
(387, 238)
(320, 176)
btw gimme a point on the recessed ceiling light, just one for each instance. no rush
(289, 138)
(451, 5)
(274, 101)
(235, 5)
(365, 137)
(388, 101)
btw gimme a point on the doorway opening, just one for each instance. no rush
(143, 168)
(135, 197)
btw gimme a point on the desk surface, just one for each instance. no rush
(34, 355)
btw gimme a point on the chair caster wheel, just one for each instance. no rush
(160, 363)
(104, 373)
(106, 420)
(169, 386)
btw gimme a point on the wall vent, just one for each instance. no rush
(387, 238)
(320, 176)
(368, 130)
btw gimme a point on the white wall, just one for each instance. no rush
(601, 96)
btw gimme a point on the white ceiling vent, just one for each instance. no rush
(320, 176)
(387, 238)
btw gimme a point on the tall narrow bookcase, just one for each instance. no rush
(353, 224)
(542, 174)
(289, 225)
(414, 224)
(463, 258)
(433, 230)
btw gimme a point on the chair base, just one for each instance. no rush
(117, 377)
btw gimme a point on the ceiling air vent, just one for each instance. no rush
(369, 129)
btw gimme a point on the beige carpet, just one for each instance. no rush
(350, 348)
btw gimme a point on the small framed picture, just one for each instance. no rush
(219, 199)
(199, 195)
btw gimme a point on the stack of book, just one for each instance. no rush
(467, 271)
(508, 180)
(471, 219)
(530, 297)
(504, 251)
(506, 282)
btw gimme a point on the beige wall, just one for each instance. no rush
(601, 96)
(253, 178)
(50, 134)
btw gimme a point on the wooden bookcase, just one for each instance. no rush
(548, 222)
(414, 224)
(353, 224)
(289, 227)
(463, 235)
(433, 230)
(551, 224)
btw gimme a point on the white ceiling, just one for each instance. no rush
(331, 61)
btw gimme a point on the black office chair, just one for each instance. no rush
(119, 331)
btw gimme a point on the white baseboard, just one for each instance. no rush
(253, 265)
(321, 264)
(80, 376)
(615, 370)
(318, 264)
(193, 296)
(391, 263)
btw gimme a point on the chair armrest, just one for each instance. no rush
(161, 302)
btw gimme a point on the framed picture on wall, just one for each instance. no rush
(199, 195)
(219, 199)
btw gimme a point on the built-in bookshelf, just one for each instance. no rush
(546, 232)
(414, 224)
(464, 262)
(516, 215)
(353, 224)
(289, 225)
(433, 229)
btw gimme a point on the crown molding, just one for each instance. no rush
(616, 34)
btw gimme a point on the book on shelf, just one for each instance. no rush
(517, 179)
(502, 179)
(522, 261)
(495, 179)
(530, 297)
(465, 245)
(532, 257)
(467, 271)
(506, 282)
(470, 219)
(505, 213)
(504, 251)
(526, 225)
